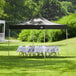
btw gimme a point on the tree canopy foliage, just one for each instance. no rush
(70, 21)
(26, 9)
(2, 11)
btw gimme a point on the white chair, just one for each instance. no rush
(53, 49)
(39, 49)
(22, 50)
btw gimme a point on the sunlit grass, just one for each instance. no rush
(15, 65)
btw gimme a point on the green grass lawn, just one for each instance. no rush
(62, 65)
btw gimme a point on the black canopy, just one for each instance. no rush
(38, 23)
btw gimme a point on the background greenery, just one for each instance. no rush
(70, 21)
(16, 11)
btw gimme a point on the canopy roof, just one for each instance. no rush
(38, 23)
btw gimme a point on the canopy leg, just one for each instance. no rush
(8, 42)
(66, 42)
(44, 44)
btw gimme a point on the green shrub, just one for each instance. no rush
(70, 21)
(41, 36)
(38, 35)
(23, 36)
(34, 35)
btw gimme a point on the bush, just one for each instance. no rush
(38, 35)
(34, 35)
(70, 21)
(23, 36)
(41, 36)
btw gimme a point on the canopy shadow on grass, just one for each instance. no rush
(37, 57)
(10, 62)
(6, 48)
(42, 57)
(14, 74)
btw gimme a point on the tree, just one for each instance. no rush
(67, 7)
(2, 13)
(51, 9)
(73, 3)
(15, 9)
(22, 9)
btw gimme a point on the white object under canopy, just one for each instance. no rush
(2, 30)
(2, 22)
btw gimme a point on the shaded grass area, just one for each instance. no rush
(24, 62)
(17, 65)
(6, 48)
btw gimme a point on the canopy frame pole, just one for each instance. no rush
(66, 34)
(33, 39)
(33, 36)
(66, 41)
(44, 43)
(8, 42)
(4, 30)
